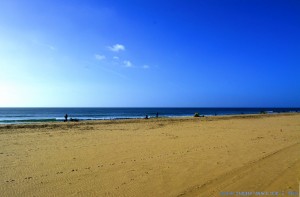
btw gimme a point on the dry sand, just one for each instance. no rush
(155, 157)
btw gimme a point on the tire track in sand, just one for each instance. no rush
(257, 175)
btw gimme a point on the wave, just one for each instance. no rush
(60, 119)
(37, 120)
(16, 121)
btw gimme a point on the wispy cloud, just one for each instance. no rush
(127, 63)
(117, 48)
(114, 72)
(90, 65)
(44, 45)
(146, 66)
(116, 58)
(100, 57)
(51, 47)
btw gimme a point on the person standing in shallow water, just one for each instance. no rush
(66, 118)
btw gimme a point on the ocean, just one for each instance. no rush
(32, 115)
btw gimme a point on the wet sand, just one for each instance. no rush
(154, 157)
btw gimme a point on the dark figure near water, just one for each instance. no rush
(157, 115)
(66, 118)
(146, 117)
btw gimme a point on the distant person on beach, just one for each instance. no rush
(146, 117)
(157, 115)
(66, 118)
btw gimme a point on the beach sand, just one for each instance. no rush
(154, 157)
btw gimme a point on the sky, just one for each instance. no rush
(125, 53)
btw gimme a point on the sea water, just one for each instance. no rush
(31, 115)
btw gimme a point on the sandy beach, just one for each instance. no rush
(205, 156)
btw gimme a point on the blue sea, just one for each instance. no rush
(32, 115)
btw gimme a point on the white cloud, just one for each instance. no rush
(127, 63)
(100, 57)
(116, 57)
(146, 67)
(117, 48)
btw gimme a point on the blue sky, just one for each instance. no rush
(213, 53)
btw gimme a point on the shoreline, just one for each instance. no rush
(45, 115)
(128, 120)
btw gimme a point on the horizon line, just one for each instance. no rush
(151, 107)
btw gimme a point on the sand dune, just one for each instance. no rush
(155, 157)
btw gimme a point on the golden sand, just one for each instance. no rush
(154, 157)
